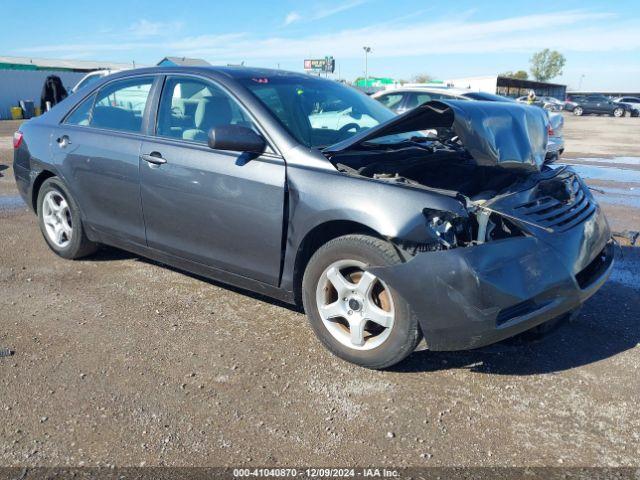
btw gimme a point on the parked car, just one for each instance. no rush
(383, 234)
(632, 103)
(596, 105)
(92, 77)
(403, 99)
(548, 103)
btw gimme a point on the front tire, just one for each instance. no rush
(60, 223)
(578, 111)
(357, 316)
(618, 112)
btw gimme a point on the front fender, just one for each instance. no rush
(394, 211)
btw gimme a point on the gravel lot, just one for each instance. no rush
(121, 361)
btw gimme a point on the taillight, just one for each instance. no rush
(550, 131)
(17, 139)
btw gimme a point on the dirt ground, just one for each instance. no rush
(121, 361)
(601, 136)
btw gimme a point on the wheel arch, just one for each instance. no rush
(318, 236)
(37, 184)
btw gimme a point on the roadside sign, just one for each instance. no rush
(326, 64)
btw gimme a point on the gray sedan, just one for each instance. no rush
(442, 223)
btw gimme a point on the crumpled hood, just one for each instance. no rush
(509, 135)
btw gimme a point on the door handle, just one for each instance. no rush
(63, 141)
(154, 158)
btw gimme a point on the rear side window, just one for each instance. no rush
(417, 99)
(120, 105)
(82, 114)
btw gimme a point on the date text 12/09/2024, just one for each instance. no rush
(316, 472)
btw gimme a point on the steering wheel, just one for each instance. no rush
(349, 126)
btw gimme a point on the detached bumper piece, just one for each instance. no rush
(471, 297)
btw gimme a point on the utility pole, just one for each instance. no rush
(580, 84)
(367, 50)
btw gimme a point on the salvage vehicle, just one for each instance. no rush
(441, 223)
(403, 99)
(596, 105)
(633, 104)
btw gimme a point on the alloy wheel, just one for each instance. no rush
(355, 306)
(57, 219)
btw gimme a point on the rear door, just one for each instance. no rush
(97, 147)
(597, 104)
(218, 208)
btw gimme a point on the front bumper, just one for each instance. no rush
(470, 297)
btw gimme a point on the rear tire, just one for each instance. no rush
(344, 326)
(60, 223)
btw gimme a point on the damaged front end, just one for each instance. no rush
(530, 243)
(474, 152)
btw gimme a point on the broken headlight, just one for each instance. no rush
(448, 229)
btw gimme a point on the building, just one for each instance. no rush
(509, 87)
(372, 84)
(183, 62)
(22, 78)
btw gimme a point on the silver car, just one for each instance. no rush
(403, 99)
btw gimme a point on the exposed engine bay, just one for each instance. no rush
(444, 166)
(441, 164)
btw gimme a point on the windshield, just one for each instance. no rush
(317, 112)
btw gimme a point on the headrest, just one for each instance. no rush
(212, 112)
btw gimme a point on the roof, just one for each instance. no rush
(502, 79)
(235, 72)
(619, 93)
(32, 63)
(528, 82)
(183, 62)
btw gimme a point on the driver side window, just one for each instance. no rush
(190, 107)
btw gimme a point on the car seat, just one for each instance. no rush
(211, 112)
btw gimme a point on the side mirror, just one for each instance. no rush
(236, 138)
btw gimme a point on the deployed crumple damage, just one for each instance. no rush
(475, 152)
(495, 134)
(532, 244)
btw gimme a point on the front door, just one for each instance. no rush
(218, 208)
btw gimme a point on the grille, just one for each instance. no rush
(560, 215)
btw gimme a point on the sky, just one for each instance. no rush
(445, 39)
